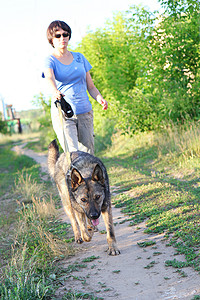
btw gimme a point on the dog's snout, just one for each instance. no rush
(94, 215)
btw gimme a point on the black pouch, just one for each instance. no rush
(65, 106)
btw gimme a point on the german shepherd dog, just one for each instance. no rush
(84, 190)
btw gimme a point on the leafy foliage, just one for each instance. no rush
(147, 65)
(175, 60)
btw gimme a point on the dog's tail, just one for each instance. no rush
(53, 154)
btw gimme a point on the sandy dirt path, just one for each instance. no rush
(136, 274)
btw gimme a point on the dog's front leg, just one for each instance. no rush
(108, 220)
(86, 236)
(64, 194)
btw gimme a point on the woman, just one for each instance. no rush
(68, 74)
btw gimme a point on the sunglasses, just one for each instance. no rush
(58, 35)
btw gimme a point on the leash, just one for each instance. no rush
(66, 107)
(66, 148)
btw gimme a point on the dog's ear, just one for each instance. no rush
(76, 178)
(97, 174)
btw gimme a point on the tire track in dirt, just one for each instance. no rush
(136, 274)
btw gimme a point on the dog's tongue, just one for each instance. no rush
(95, 222)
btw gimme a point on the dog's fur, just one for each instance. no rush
(84, 189)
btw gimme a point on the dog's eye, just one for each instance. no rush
(83, 200)
(97, 197)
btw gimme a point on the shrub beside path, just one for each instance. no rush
(138, 273)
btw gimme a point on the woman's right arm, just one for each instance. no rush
(50, 77)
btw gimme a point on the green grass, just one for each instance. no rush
(33, 239)
(150, 265)
(36, 146)
(146, 244)
(156, 179)
(10, 164)
(73, 295)
(197, 297)
(91, 258)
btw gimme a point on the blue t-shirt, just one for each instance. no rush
(71, 81)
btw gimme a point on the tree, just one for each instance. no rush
(118, 56)
(175, 59)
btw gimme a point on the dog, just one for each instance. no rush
(83, 186)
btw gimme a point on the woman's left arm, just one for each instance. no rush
(94, 93)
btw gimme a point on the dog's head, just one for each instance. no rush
(89, 192)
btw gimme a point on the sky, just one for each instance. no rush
(24, 46)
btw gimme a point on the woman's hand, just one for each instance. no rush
(104, 103)
(94, 93)
(57, 95)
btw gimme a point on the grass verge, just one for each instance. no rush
(156, 178)
(33, 238)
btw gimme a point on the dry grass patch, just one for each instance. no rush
(44, 208)
(36, 227)
(27, 187)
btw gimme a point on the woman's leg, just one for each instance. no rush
(70, 130)
(86, 131)
(71, 134)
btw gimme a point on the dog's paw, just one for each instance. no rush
(113, 251)
(79, 240)
(86, 236)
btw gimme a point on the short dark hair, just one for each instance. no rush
(53, 27)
